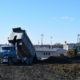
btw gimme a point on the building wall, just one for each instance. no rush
(61, 51)
(43, 55)
(65, 46)
(68, 46)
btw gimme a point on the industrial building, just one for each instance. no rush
(69, 46)
(45, 53)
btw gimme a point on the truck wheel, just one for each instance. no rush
(30, 61)
(22, 60)
(10, 62)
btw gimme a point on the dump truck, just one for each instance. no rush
(21, 46)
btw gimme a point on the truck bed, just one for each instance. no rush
(24, 44)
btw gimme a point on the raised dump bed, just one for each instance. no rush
(24, 45)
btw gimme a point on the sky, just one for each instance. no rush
(59, 19)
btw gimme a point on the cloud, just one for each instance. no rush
(64, 17)
(68, 18)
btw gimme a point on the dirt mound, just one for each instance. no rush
(52, 60)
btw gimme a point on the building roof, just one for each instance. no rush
(70, 43)
(78, 44)
(46, 49)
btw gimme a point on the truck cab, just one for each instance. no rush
(7, 52)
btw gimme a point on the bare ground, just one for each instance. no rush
(41, 71)
(50, 69)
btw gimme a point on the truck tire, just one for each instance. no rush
(30, 60)
(22, 60)
(10, 62)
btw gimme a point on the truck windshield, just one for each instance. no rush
(1, 49)
(6, 48)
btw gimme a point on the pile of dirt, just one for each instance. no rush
(77, 57)
(52, 60)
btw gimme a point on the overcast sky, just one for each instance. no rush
(57, 18)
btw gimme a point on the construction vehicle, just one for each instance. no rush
(70, 53)
(22, 46)
(74, 52)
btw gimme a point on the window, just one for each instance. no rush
(48, 53)
(44, 53)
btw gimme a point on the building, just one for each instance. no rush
(69, 46)
(45, 53)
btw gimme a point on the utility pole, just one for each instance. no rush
(78, 38)
(42, 39)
